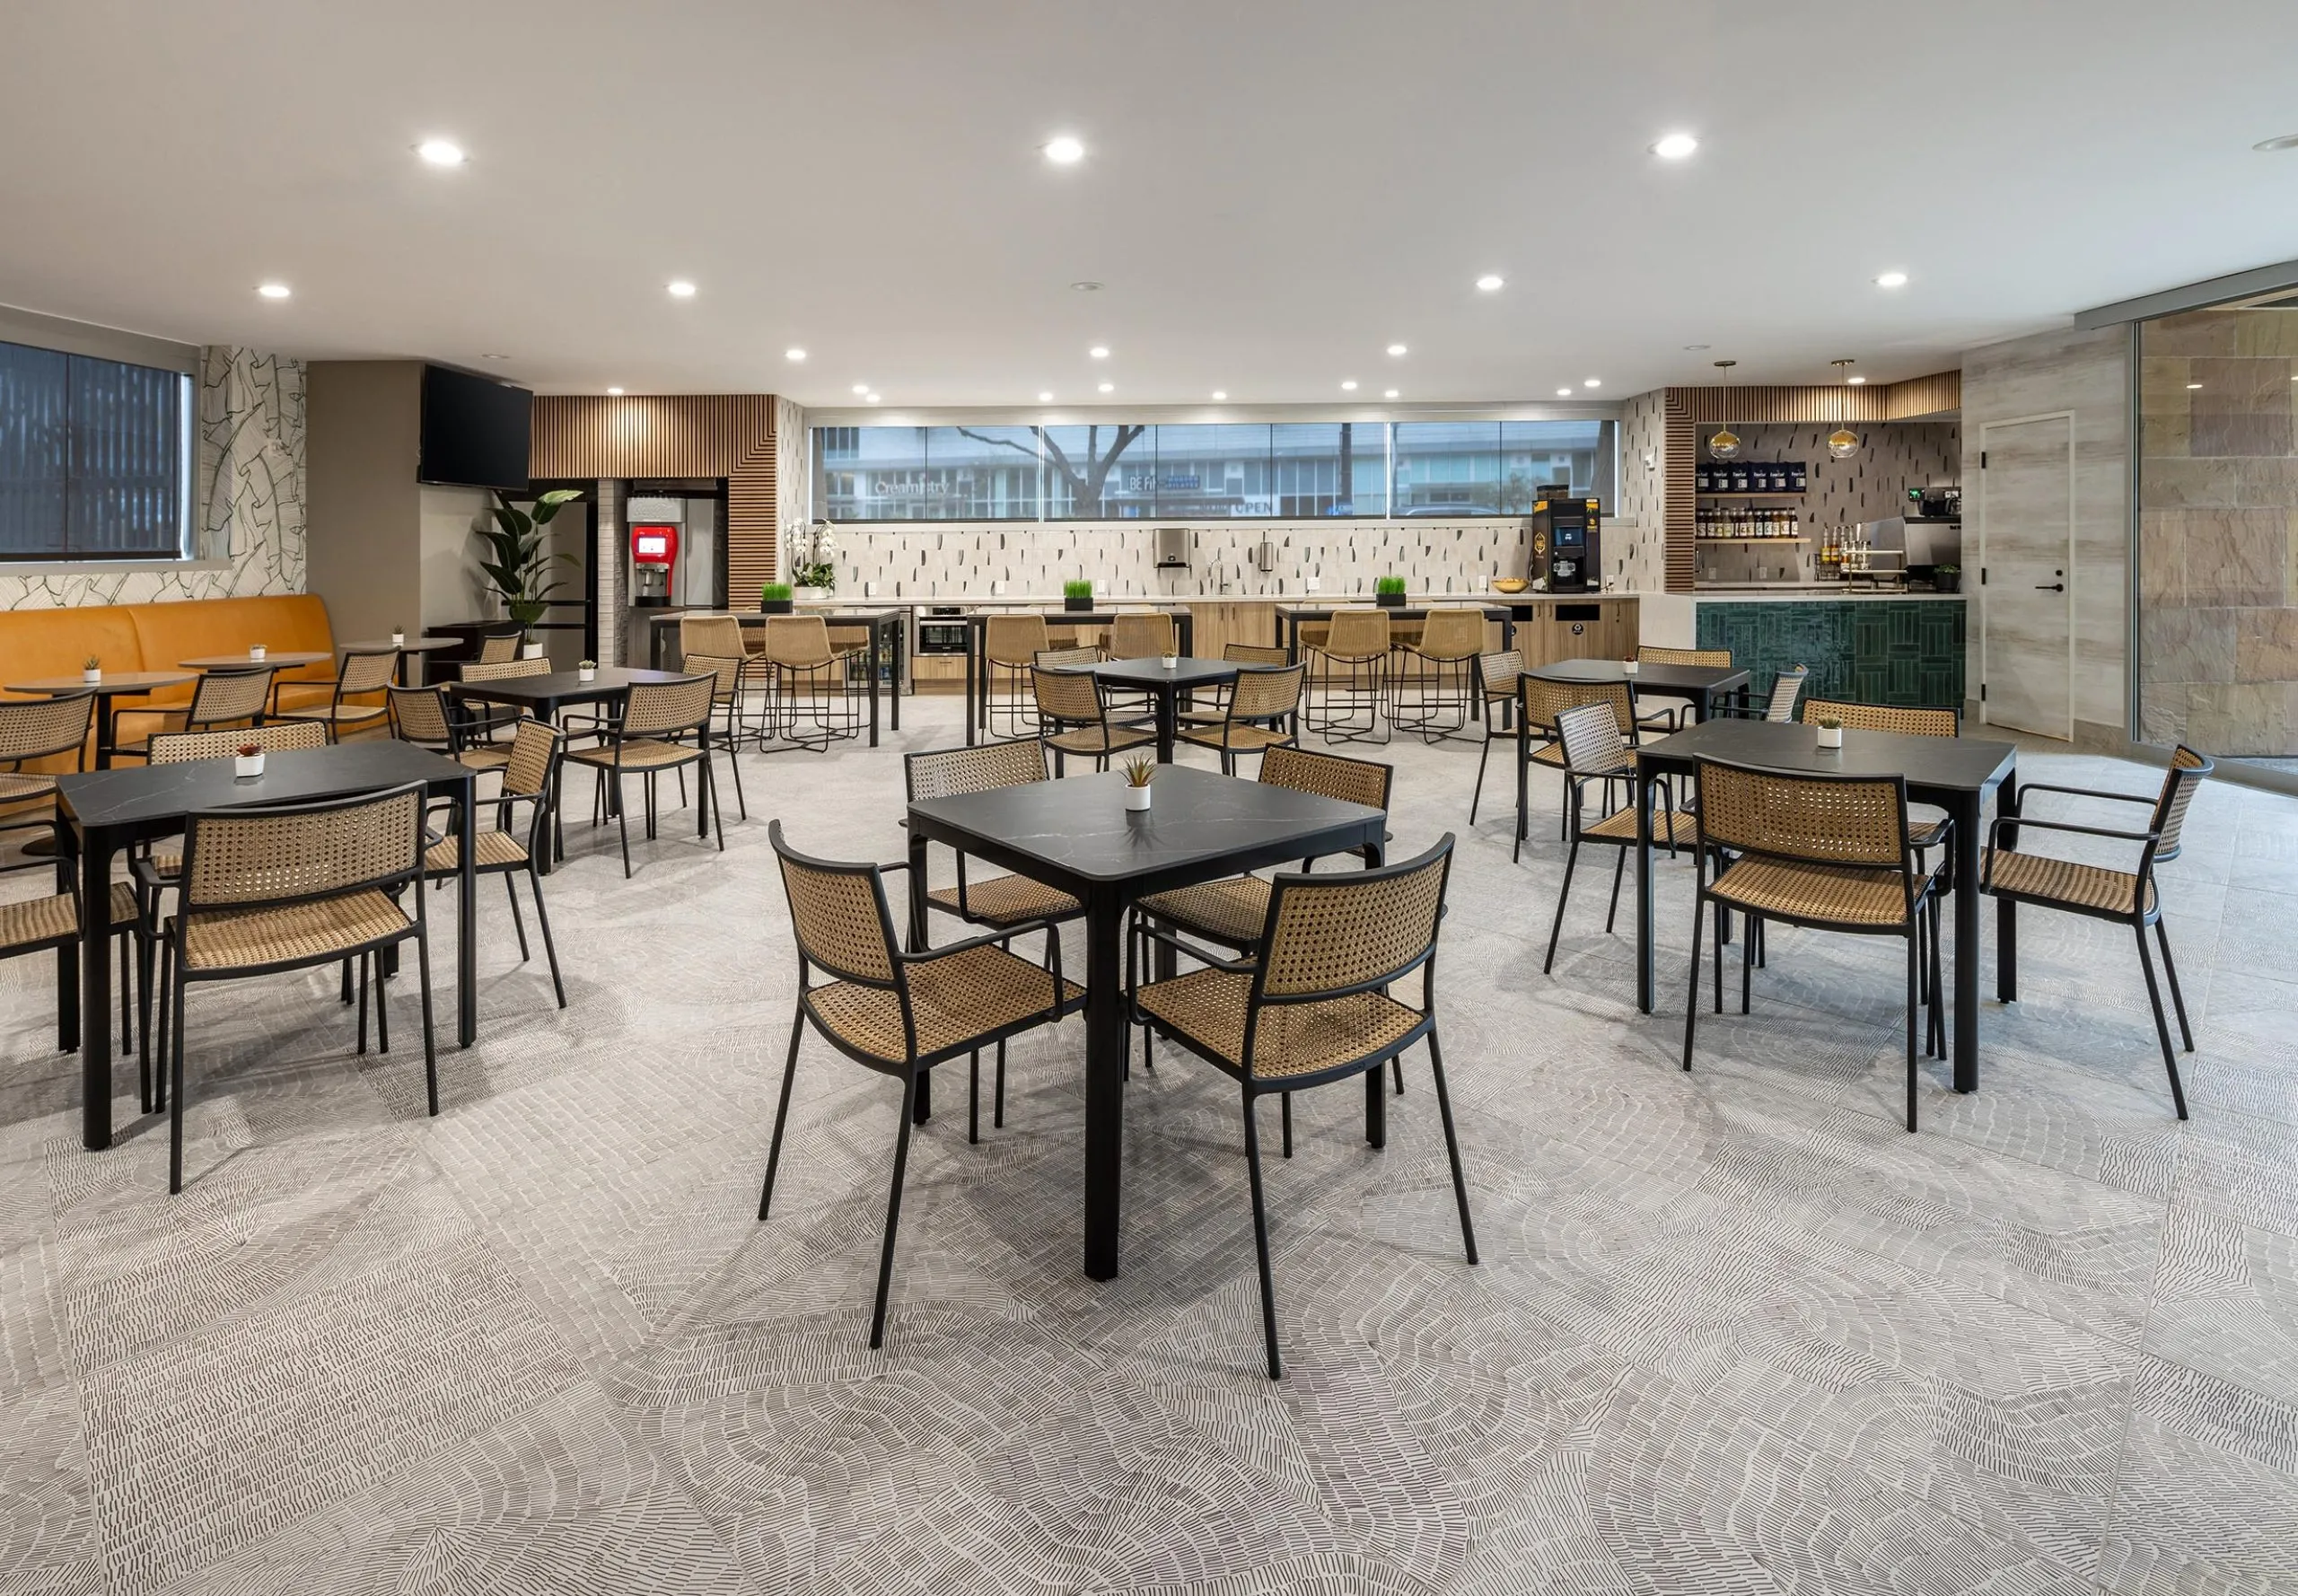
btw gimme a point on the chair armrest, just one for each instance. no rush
(898, 864)
(1234, 966)
(987, 940)
(2026, 824)
(2146, 798)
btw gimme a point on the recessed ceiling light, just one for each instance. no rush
(1086, 287)
(861, 388)
(794, 353)
(1892, 280)
(1492, 282)
(1694, 345)
(1390, 393)
(1395, 348)
(440, 151)
(1675, 147)
(2268, 146)
(1222, 393)
(681, 289)
(494, 357)
(869, 398)
(1563, 393)
(1108, 388)
(1349, 386)
(1045, 399)
(1855, 382)
(1065, 150)
(1099, 351)
(2192, 386)
(275, 290)
(614, 393)
(1592, 382)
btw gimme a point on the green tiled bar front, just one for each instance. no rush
(1868, 651)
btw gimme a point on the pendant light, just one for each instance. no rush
(1842, 443)
(1725, 444)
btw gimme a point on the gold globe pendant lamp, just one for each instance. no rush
(1842, 443)
(1725, 442)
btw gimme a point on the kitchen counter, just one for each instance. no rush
(1868, 648)
(1168, 601)
(1808, 593)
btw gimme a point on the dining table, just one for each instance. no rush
(410, 650)
(115, 685)
(1704, 687)
(1076, 836)
(1956, 774)
(977, 683)
(1167, 688)
(278, 659)
(102, 812)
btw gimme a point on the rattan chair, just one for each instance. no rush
(1350, 664)
(364, 673)
(1314, 1006)
(1443, 664)
(1073, 718)
(233, 698)
(1010, 646)
(1055, 659)
(898, 1014)
(2129, 897)
(41, 925)
(1259, 707)
(663, 726)
(270, 890)
(497, 648)
(1594, 751)
(1827, 852)
(1497, 676)
(530, 778)
(1780, 707)
(504, 669)
(1540, 704)
(481, 721)
(1238, 654)
(424, 717)
(1675, 717)
(1147, 636)
(810, 701)
(40, 729)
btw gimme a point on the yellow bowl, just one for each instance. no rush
(1508, 584)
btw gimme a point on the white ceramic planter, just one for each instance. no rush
(1628, 667)
(530, 650)
(399, 639)
(1136, 799)
(91, 677)
(1171, 661)
(247, 766)
(1831, 736)
(586, 675)
(811, 595)
(257, 652)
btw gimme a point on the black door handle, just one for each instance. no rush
(2050, 587)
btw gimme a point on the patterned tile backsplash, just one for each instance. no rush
(982, 558)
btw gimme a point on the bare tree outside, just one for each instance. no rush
(1085, 480)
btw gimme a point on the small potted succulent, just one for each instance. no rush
(587, 671)
(1077, 596)
(92, 670)
(1946, 579)
(398, 636)
(775, 598)
(1830, 731)
(1171, 661)
(1388, 592)
(248, 763)
(256, 651)
(1628, 664)
(1139, 772)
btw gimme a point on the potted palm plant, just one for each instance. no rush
(1077, 596)
(515, 560)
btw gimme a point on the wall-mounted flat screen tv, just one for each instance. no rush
(475, 431)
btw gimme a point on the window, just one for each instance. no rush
(95, 458)
(1126, 471)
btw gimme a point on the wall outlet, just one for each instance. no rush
(1310, 584)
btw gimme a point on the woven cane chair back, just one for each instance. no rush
(726, 671)
(1143, 636)
(1254, 653)
(1500, 672)
(1359, 633)
(657, 708)
(797, 642)
(242, 857)
(1712, 659)
(1054, 658)
(1452, 634)
(2188, 771)
(1784, 688)
(720, 636)
(1818, 820)
(1544, 702)
(1066, 694)
(1329, 775)
(504, 669)
(368, 670)
(1590, 738)
(839, 914)
(1015, 640)
(499, 648)
(33, 728)
(953, 772)
(1884, 717)
(223, 697)
(533, 752)
(1351, 930)
(420, 713)
(177, 748)
(1264, 694)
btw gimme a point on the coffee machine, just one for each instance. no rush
(1565, 542)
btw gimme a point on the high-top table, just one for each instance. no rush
(116, 684)
(886, 628)
(103, 811)
(1075, 834)
(977, 639)
(1290, 617)
(1956, 774)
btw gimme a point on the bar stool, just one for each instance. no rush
(802, 691)
(1444, 659)
(1011, 644)
(715, 643)
(1354, 657)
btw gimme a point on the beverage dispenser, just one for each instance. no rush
(1563, 541)
(653, 552)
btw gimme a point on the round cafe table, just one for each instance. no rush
(413, 645)
(116, 684)
(279, 659)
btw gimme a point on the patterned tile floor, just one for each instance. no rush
(1733, 1330)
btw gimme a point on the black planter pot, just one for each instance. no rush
(1390, 601)
(776, 606)
(1081, 605)
(1946, 585)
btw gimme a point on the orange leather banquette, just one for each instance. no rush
(44, 643)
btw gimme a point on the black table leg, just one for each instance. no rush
(873, 686)
(466, 913)
(94, 1021)
(1105, 1045)
(1644, 780)
(2006, 913)
(1376, 1079)
(922, 1108)
(1966, 812)
(898, 646)
(972, 633)
(1168, 721)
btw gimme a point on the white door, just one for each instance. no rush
(2027, 571)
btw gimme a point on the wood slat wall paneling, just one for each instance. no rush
(1895, 402)
(1679, 517)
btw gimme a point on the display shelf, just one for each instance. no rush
(1784, 493)
(1755, 538)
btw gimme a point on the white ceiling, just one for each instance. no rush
(1276, 189)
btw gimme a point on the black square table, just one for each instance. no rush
(105, 811)
(1075, 834)
(1164, 689)
(1703, 686)
(545, 695)
(1955, 773)
(977, 645)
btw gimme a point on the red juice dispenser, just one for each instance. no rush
(653, 550)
